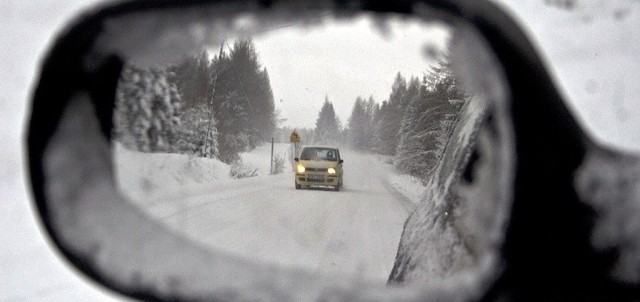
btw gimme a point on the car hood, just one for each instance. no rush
(318, 163)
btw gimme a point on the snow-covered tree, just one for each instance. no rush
(242, 100)
(386, 132)
(235, 87)
(198, 133)
(327, 125)
(193, 79)
(147, 110)
(231, 110)
(428, 121)
(360, 126)
(356, 126)
(252, 88)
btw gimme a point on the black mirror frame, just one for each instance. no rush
(550, 146)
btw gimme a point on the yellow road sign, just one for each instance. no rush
(294, 138)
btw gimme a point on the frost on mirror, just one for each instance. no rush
(210, 144)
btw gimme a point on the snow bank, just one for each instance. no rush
(147, 176)
(409, 186)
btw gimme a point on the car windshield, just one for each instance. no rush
(319, 154)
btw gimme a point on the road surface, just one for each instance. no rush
(354, 231)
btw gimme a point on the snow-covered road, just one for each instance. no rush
(354, 231)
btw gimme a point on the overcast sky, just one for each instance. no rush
(342, 60)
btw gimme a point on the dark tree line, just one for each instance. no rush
(221, 105)
(413, 126)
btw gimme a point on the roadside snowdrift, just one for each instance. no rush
(148, 176)
(152, 175)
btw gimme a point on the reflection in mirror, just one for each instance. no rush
(205, 144)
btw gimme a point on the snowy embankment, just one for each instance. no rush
(148, 176)
(409, 186)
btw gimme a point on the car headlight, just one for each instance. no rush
(331, 171)
(300, 169)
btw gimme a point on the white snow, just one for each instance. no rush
(263, 218)
(157, 175)
(148, 176)
(571, 42)
(409, 186)
(259, 157)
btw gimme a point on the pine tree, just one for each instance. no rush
(236, 91)
(230, 108)
(193, 79)
(356, 126)
(242, 100)
(253, 89)
(327, 125)
(360, 128)
(147, 110)
(409, 124)
(428, 122)
(199, 135)
(371, 110)
(379, 122)
(391, 118)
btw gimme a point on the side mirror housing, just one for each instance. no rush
(72, 179)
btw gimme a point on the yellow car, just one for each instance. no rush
(319, 166)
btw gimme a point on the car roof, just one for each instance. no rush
(320, 146)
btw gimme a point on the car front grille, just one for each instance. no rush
(316, 169)
(316, 180)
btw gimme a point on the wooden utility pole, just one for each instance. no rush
(271, 169)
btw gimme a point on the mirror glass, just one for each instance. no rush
(304, 143)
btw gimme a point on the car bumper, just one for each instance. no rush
(313, 179)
